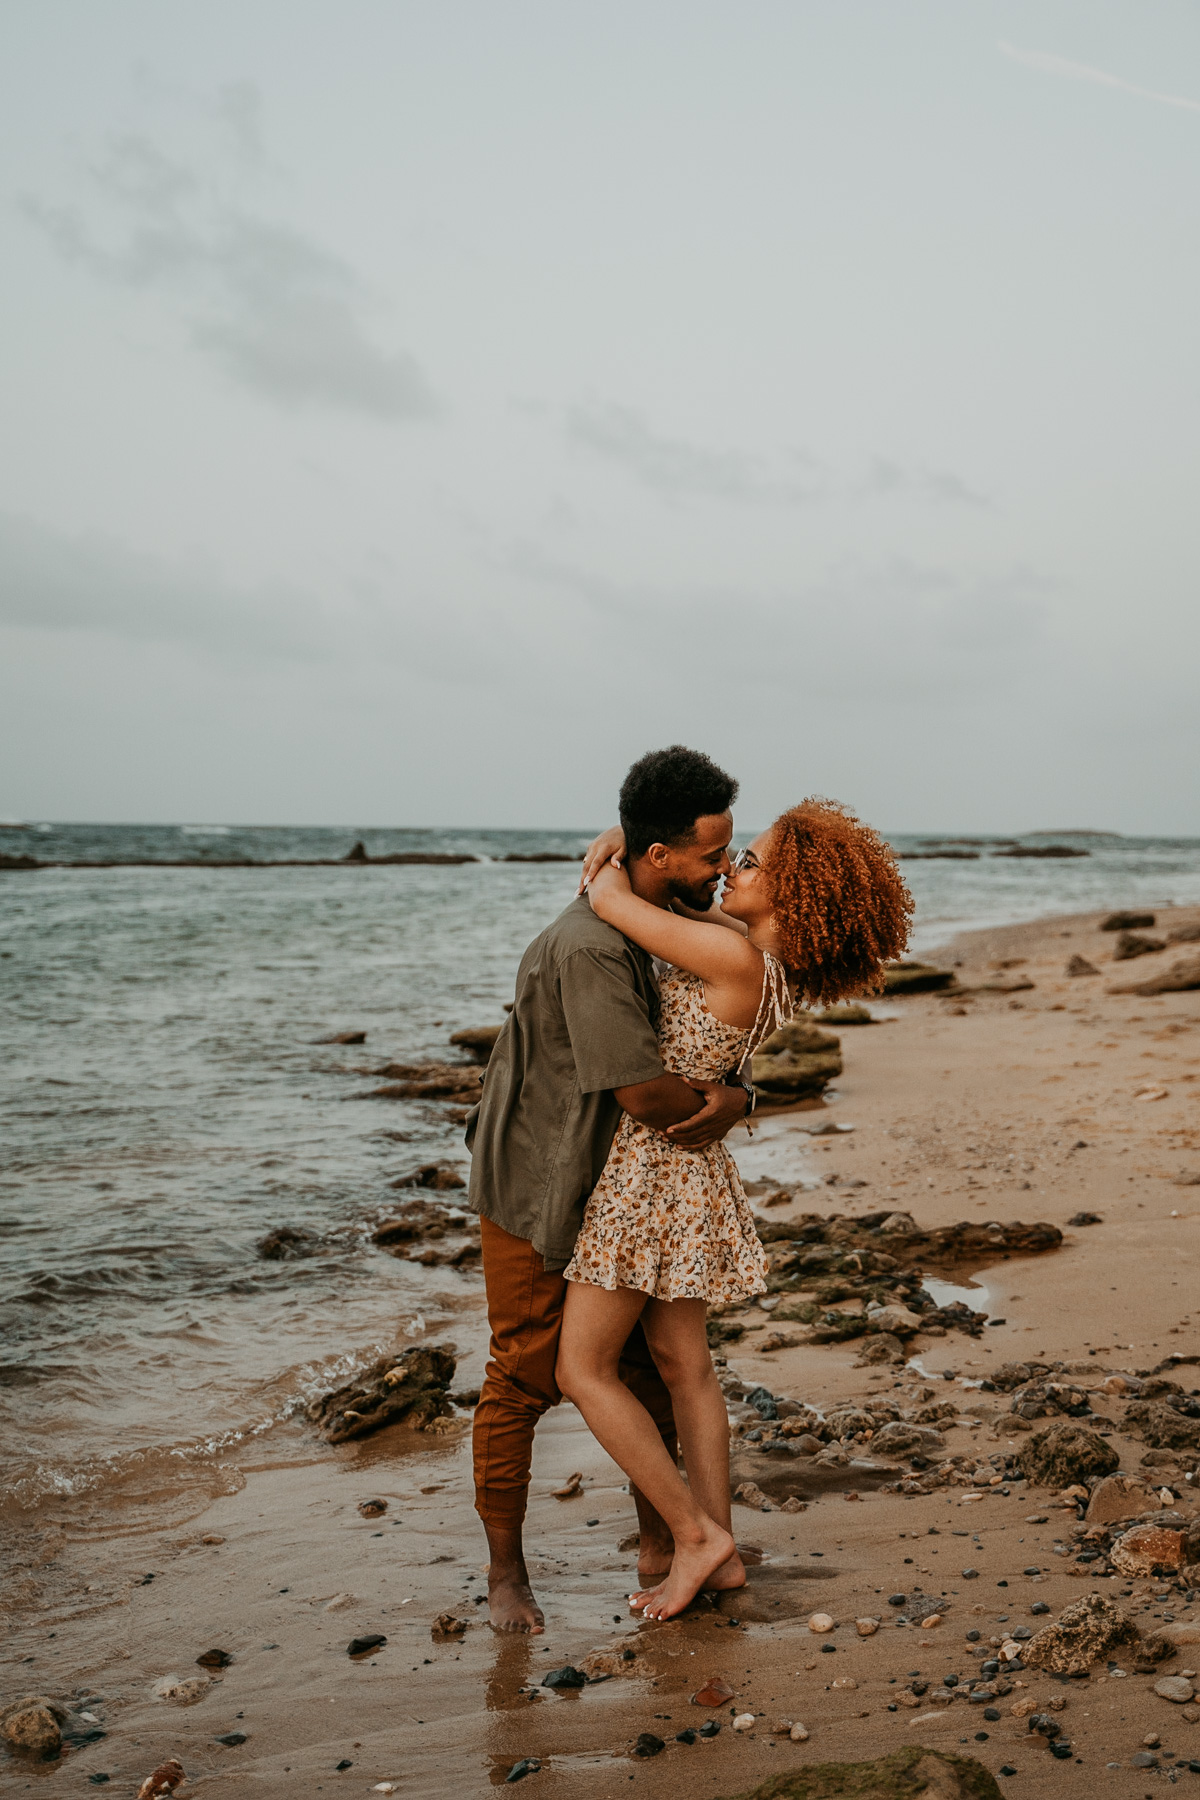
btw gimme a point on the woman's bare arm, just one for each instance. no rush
(724, 958)
(714, 916)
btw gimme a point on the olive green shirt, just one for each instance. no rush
(583, 1023)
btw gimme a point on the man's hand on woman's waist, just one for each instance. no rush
(692, 1114)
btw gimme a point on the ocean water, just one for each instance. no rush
(164, 1103)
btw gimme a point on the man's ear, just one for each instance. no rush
(657, 856)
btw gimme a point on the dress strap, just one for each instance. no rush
(775, 1007)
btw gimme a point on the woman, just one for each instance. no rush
(812, 910)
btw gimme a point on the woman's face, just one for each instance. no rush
(746, 897)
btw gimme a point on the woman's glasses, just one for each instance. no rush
(746, 859)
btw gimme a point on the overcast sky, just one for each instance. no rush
(414, 412)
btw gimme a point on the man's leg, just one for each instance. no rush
(525, 1312)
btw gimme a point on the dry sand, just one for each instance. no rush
(1020, 1107)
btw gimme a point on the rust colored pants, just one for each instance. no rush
(525, 1305)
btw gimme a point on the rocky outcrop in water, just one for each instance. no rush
(913, 1773)
(412, 1387)
(916, 978)
(797, 1062)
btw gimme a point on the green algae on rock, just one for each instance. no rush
(904, 1775)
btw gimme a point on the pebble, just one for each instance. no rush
(360, 1645)
(231, 1738)
(163, 1780)
(566, 1677)
(897, 1599)
(1144, 1759)
(743, 1722)
(687, 1736)
(866, 1627)
(528, 1765)
(1174, 1687)
(932, 1622)
(212, 1537)
(799, 1734)
(709, 1729)
(715, 1692)
(649, 1745)
(845, 1681)
(970, 1574)
(820, 1622)
(214, 1659)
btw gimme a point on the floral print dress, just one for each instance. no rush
(670, 1222)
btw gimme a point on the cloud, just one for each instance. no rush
(677, 470)
(282, 316)
(1073, 71)
(621, 435)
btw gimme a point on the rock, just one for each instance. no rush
(361, 1646)
(343, 1037)
(899, 1224)
(867, 1627)
(1126, 921)
(715, 1692)
(231, 1738)
(1117, 1497)
(427, 1081)
(794, 1504)
(881, 1347)
(572, 1486)
(932, 1622)
(821, 1622)
(1184, 934)
(286, 1243)
(1086, 1218)
(848, 1014)
(163, 1780)
(744, 1722)
(796, 1062)
(1187, 1178)
(750, 1494)
(477, 1040)
(647, 1744)
(1162, 1426)
(217, 1659)
(1174, 1687)
(916, 978)
(358, 853)
(844, 1681)
(1130, 944)
(32, 1726)
(1148, 1550)
(799, 1734)
(1083, 1634)
(372, 1509)
(528, 1765)
(412, 1386)
(898, 1438)
(184, 1691)
(1179, 978)
(1179, 1634)
(902, 1775)
(1021, 1709)
(1065, 1452)
(1079, 965)
(1055, 850)
(566, 1677)
(777, 1340)
(446, 1629)
(897, 1321)
(440, 1176)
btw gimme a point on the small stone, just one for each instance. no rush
(799, 1734)
(970, 1574)
(212, 1537)
(359, 1646)
(346, 1763)
(215, 1659)
(710, 1728)
(991, 1712)
(32, 1725)
(866, 1627)
(566, 1677)
(163, 1780)
(182, 1692)
(1174, 1687)
(750, 1494)
(743, 1722)
(447, 1629)
(647, 1744)
(372, 1509)
(231, 1738)
(686, 1736)
(1143, 1759)
(820, 1622)
(932, 1622)
(715, 1692)
(845, 1681)
(1147, 1549)
(528, 1765)
(897, 1599)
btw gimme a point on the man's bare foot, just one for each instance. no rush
(656, 1551)
(695, 1564)
(511, 1603)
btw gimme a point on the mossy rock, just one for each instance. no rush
(917, 978)
(904, 1775)
(1066, 1453)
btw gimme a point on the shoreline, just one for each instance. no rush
(1005, 1106)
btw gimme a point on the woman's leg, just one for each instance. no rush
(675, 1332)
(596, 1324)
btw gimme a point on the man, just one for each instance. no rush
(578, 1048)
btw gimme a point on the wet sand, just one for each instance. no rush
(1019, 1107)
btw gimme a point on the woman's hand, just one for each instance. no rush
(609, 846)
(607, 884)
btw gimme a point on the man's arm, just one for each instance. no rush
(692, 1114)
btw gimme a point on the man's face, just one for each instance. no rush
(694, 870)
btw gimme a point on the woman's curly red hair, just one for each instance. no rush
(840, 904)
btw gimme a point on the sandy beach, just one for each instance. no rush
(1037, 1105)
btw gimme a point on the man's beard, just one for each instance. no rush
(699, 897)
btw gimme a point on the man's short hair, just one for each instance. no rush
(664, 794)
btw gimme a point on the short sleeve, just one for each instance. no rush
(608, 1021)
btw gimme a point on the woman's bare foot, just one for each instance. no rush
(694, 1565)
(730, 1576)
(511, 1604)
